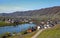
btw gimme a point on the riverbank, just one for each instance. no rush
(18, 35)
(29, 35)
(11, 30)
(2, 23)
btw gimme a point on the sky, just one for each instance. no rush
(9, 6)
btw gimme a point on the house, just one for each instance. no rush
(38, 27)
(31, 22)
(29, 30)
(9, 21)
(25, 20)
(45, 26)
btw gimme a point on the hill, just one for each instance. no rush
(51, 11)
(51, 33)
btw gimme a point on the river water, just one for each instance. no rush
(17, 28)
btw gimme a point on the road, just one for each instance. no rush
(37, 33)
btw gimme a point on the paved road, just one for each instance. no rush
(37, 33)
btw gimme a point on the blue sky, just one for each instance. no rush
(8, 6)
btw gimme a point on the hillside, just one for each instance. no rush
(51, 33)
(51, 11)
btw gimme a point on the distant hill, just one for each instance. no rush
(51, 11)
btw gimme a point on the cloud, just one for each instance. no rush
(6, 9)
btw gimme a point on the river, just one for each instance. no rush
(17, 28)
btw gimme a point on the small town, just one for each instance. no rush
(43, 24)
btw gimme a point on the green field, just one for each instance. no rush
(5, 24)
(2, 23)
(51, 33)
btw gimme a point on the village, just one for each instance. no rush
(14, 21)
(43, 25)
(40, 24)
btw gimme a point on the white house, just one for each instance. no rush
(38, 27)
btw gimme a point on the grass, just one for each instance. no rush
(1, 35)
(2, 23)
(5, 24)
(29, 35)
(51, 33)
